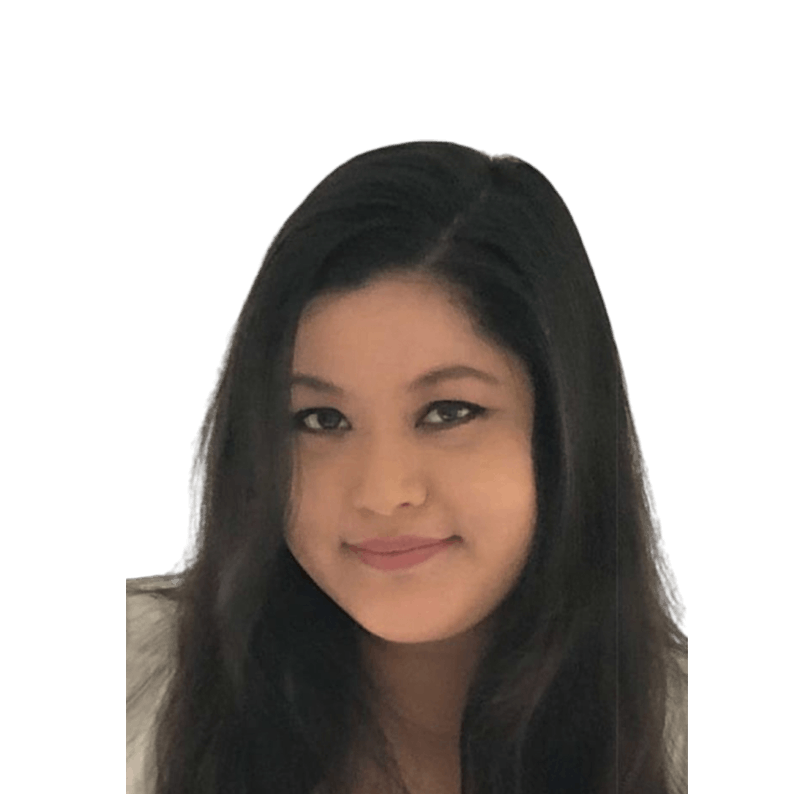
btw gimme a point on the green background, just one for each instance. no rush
(152, 149)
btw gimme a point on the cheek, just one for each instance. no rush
(501, 487)
(500, 514)
(501, 519)
(311, 536)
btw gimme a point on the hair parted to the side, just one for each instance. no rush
(269, 693)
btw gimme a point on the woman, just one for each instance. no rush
(424, 361)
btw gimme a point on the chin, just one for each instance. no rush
(410, 633)
(407, 638)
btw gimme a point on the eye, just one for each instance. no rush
(459, 412)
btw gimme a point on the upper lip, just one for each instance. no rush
(400, 543)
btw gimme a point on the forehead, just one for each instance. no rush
(393, 330)
(397, 312)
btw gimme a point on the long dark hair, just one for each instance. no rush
(268, 692)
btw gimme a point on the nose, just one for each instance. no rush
(387, 478)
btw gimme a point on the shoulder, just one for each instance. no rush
(150, 623)
(150, 607)
(676, 721)
(150, 650)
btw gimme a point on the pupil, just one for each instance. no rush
(328, 424)
(450, 411)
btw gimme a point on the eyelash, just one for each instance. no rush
(473, 412)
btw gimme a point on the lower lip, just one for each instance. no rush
(396, 561)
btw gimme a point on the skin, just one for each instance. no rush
(381, 463)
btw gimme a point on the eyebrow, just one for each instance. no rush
(428, 379)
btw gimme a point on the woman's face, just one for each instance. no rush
(379, 461)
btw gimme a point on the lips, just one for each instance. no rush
(398, 544)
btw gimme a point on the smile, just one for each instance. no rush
(398, 560)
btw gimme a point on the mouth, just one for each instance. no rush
(398, 560)
(399, 545)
